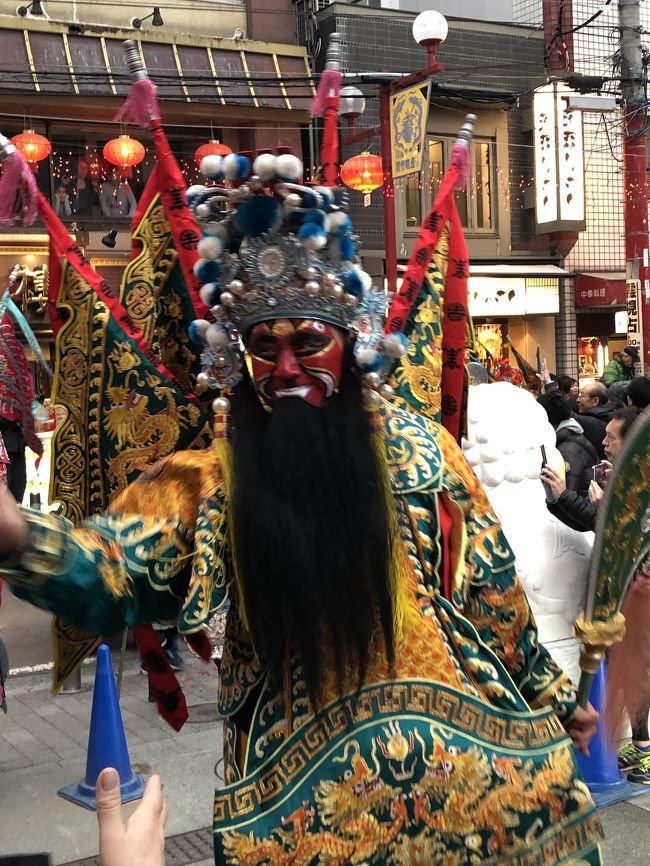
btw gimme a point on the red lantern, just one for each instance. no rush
(124, 152)
(211, 148)
(33, 146)
(363, 172)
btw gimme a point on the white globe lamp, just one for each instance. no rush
(430, 28)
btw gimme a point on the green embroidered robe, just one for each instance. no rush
(457, 757)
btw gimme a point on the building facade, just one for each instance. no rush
(517, 285)
(598, 258)
(227, 70)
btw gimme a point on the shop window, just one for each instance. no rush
(476, 204)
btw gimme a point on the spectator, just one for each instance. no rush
(62, 202)
(638, 392)
(578, 453)
(617, 394)
(82, 192)
(568, 386)
(116, 198)
(568, 506)
(621, 367)
(594, 412)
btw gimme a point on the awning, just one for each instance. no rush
(522, 270)
(47, 59)
(606, 289)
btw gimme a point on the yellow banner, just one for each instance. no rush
(409, 110)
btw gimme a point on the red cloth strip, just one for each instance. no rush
(170, 699)
(455, 312)
(166, 179)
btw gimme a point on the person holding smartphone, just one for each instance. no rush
(580, 512)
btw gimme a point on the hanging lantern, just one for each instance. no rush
(211, 148)
(124, 152)
(33, 146)
(363, 173)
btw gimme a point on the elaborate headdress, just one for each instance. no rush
(274, 248)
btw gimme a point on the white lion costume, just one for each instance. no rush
(506, 427)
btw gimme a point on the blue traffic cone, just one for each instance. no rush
(600, 770)
(106, 741)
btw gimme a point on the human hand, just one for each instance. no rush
(139, 842)
(14, 534)
(544, 375)
(606, 468)
(595, 492)
(582, 727)
(555, 482)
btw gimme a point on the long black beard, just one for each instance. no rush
(312, 534)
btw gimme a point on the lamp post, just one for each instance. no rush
(429, 30)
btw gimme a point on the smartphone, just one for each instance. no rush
(599, 473)
(547, 490)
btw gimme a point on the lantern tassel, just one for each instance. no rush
(329, 86)
(460, 152)
(18, 190)
(141, 105)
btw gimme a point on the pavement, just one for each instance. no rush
(43, 742)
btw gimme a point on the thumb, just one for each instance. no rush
(109, 806)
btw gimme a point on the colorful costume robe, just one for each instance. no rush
(459, 757)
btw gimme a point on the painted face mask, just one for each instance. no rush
(296, 358)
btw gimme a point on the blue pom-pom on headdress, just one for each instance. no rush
(353, 283)
(258, 215)
(348, 249)
(312, 235)
(206, 271)
(317, 216)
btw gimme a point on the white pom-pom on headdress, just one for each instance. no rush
(212, 166)
(217, 336)
(264, 166)
(210, 247)
(288, 166)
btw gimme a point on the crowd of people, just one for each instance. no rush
(590, 441)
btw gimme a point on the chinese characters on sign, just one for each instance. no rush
(409, 110)
(634, 319)
(559, 161)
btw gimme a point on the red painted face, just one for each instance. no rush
(296, 358)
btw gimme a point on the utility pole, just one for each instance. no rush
(635, 114)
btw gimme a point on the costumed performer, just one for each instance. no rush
(384, 694)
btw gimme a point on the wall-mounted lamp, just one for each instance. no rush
(156, 19)
(34, 7)
(109, 239)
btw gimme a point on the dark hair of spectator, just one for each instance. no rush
(628, 416)
(565, 383)
(556, 407)
(638, 392)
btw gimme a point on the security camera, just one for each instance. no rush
(239, 34)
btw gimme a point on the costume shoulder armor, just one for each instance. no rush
(415, 458)
(175, 483)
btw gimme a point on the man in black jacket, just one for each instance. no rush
(578, 453)
(594, 413)
(577, 511)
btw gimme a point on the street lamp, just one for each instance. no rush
(430, 28)
(352, 104)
